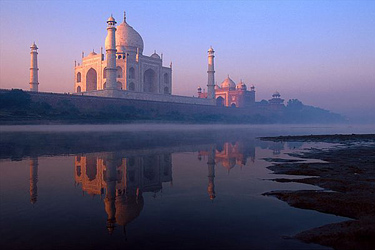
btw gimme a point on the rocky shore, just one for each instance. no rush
(348, 181)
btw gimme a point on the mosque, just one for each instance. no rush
(124, 72)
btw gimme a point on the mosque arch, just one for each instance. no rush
(220, 101)
(105, 85)
(105, 72)
(233, 105)
(149, 81)
(166, 90)
(91, 80)
(131, 73)
(166, 78)
(131, 86)
(119, 85)
(119, 72)
(79, 89)
(79, 77)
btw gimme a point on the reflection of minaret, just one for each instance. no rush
(110, 197)
(211, 173)
(33, 180)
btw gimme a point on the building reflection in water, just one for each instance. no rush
(230, 154)
(33, 180)
(122, 181)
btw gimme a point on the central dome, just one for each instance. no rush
(127, 39)
(228, 83)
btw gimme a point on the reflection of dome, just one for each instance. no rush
(128, 208)
(128, 39)
(229, 163)
(228, 83)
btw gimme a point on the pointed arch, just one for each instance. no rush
(220, 101)
(131, 73)
(91, 80)
(79, 77)
(119, 72)
(149, 81)
(132, 86)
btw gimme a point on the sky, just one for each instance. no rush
(320, 52)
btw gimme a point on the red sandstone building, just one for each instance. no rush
(230, 94)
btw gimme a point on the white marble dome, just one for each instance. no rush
(228, 83)
(128, 38)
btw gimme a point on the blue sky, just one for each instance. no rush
(321, 52)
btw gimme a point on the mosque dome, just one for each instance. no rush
(276, 94)
(228, 83)
(128, 38)
(241, 86)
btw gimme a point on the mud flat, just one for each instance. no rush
(348, 182)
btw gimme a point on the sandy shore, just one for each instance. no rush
(350, 173)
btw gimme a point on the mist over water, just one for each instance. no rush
(150, 186)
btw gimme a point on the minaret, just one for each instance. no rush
(110, 196)
(33, 180)
(211, 173)
(211, 74)
(110, 48)
(34, 68)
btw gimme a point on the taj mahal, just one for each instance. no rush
(134, 71)
(125, 72)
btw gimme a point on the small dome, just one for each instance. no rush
(128, 38)
(111, 19)
(155, 55)
(92, 53)
(33, 46)
(276, 94)
(252, 87)
(228, 83)
(241, 85)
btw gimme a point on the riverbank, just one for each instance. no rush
(348, 180)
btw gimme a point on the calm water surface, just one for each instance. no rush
(150, 187)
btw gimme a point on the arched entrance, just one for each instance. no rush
(233, 105)
(149, 81)
(91, 80)
(166, 90)
(79, 89)
(220, 101)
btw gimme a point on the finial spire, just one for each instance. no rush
(124, 16)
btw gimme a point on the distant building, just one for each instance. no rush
(276, 102)
(230, 94)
